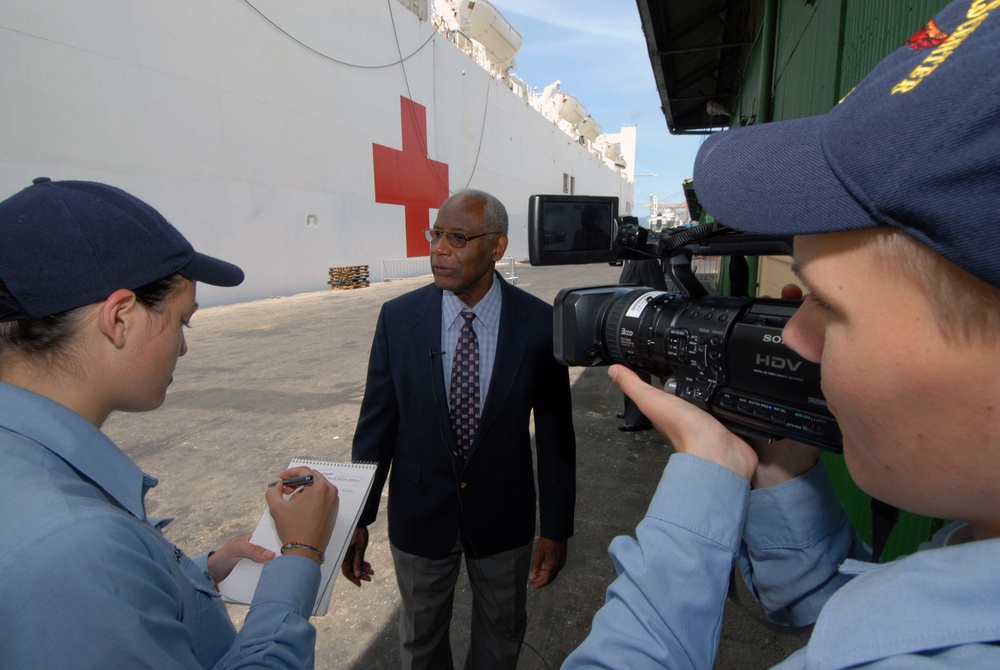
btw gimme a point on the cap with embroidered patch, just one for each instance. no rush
(915, 146)
(66, 244)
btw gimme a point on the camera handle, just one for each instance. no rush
(676, 248)
(680, 270)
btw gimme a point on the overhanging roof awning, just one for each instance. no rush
(699, 50)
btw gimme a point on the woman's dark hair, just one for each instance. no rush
(152, 296)
(48, 335)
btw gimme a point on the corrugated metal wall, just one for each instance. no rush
(873, 29)
(805, 58)
(821, 50)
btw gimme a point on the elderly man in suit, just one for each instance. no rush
(456, 370)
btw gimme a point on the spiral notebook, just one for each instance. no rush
(353, 482)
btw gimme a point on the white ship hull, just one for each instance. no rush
(264, 149)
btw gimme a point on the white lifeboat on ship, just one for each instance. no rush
(610, 150)
(568, 108)
(479, 20)
(589, 128)
(568, 113)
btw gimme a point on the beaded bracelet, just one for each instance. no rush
(299, 545)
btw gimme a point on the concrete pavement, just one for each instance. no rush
(266, 381)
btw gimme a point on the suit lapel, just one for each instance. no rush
(426, 334)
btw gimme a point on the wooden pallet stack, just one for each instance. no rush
(350, 276)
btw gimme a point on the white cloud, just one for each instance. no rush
(617, 19)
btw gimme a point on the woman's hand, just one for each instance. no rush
(308, 516)
(222, 562)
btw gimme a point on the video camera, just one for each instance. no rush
(724, 354)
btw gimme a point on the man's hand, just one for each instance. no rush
(690, 429)
(222, 562)
(550, 557)
(355, 568)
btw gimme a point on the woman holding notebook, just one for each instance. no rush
(95, 290)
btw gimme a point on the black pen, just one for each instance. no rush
(304, 480)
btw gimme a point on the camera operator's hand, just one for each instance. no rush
(782, 460)
(690, 429)
(791, 292)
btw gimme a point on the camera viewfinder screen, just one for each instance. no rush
(576, 226)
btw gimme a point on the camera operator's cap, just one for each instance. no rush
(67, 244)
(915, 146)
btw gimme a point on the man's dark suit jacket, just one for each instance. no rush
(433, 492)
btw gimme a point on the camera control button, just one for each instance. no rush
(812, 427)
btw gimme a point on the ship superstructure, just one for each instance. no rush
(293, 137)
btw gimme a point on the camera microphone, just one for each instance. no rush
(432, 353)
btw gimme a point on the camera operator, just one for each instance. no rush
(893, 197)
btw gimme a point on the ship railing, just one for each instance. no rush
(508, 269)
(708, 271)
(474, 50)
(406, 268)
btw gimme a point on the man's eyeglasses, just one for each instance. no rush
(456, 240)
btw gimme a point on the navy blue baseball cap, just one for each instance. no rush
(915, 146)
(66, 244)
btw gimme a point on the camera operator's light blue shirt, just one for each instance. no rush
(88, 581)
(938, 608)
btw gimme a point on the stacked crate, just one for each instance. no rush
(350, 276)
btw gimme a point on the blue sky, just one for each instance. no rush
(596, 48)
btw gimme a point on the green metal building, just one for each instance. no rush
(732, 63)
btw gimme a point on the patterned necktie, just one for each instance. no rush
(464, 396)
